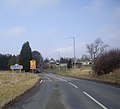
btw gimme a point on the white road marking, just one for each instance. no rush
(41, 81)
(73, 85)
(48, 79)
(95, 100)
(63, 80)
(57, 78)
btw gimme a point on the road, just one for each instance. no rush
(58, 92)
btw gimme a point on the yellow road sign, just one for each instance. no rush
(32, 64)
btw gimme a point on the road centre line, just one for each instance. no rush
(57, 78)
(64, 80)
(73, 85)
(47, 78)
(61, 79)
(95, 100)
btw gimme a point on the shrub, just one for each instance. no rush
(69, 64)
(107, 62)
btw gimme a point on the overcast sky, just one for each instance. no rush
(46, 24)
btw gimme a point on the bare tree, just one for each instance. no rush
(96, 48)
(36, 55)
(90, 50)
(84, 57)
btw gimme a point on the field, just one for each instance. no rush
(87, 73)
(15, 84)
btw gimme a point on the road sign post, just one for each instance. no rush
(16, 67)
(33, 65)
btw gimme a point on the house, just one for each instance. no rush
(63, 65)
(52, 63)
(80, 63)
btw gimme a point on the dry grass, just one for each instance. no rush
(87, 73)
(113, 77)
(81, 72)
(15, 84)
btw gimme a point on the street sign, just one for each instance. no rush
(16, 67)
(33, 64)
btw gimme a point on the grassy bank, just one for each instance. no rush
(15, 84)
(87, 73)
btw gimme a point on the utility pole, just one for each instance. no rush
(59, 60)
(73, 51)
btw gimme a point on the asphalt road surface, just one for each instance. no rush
(58, 92)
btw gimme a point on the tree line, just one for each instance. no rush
(23, 58)
(4, 60)
(102, 60)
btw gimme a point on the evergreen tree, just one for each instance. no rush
(4, 59)
(13, 60)
(25, 56)
(69, 64)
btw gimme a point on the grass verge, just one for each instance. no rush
(13, 85)
(87, 73)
